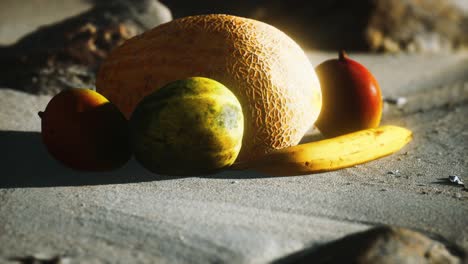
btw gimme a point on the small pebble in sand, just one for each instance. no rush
(42, 258)
(398, 101)
(455, 179)
(457, 195)
(394, 172)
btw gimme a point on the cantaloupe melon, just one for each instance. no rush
(267, 71)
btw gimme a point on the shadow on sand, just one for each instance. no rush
(25, 163)
(446, 182)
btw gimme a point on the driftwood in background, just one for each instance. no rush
(67, 54)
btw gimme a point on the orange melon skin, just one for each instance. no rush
(266, 70)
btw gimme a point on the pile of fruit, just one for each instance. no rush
(257, 97)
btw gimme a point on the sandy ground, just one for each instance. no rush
(131, 215)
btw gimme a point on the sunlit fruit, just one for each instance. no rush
(84, 131)
(351, 97)
(267, 71)
(188, 127)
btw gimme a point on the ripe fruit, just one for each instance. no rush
(351, 97)
(84, 131)
(335, 153)
(266, 70)
(187, 127)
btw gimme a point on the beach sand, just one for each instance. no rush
(243, 217)
(133, 216)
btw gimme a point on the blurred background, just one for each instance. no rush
(56, 43)
(377, 25)
(382, 25)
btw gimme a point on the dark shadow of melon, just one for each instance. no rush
(25, 163)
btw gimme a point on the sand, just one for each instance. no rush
(131, 215)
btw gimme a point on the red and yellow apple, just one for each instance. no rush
(351, 97)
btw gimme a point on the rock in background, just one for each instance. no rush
(414, 25)
(67, 54)
(384, 245)
(365, 25)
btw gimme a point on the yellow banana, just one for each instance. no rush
(334, 153)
